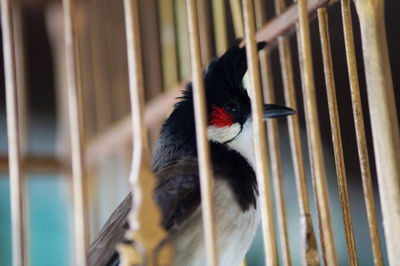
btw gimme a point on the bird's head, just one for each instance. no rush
(228, 104)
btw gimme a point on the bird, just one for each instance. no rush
(175, 165)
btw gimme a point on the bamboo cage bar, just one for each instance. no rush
(169, 57)
(321, 236)
(144, 218)
(384, 120)
(31, 163)
(314, 138)
(205, 31)
(336, 135)
(360, 132)
(76, 131)
(18, 224)
(237, 18)
(20, 56)
(259, 136)
(115, 43)
(206, 180)
(103, 106)
(182, 39)
(220, 29)
(273, 143)
(309, 248)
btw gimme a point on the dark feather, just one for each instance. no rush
(227, 71)
(178, 192)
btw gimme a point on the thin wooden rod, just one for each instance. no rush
(309, 252)
(205, 31)
(76, 131)
(169, 53)
(145, 218)
(21, 78)
(384, 120)
(360, 132)
(314, 138)
(101, 80)
(206, 180)
(182, 39)
(273, 143)
(336, 136)
(237, 18)
(276, 162)
(19, 248)
(220, 27)
(34, 164)
(259, 136)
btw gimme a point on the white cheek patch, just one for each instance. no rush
(223, 134)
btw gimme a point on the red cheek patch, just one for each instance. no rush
(219, 117)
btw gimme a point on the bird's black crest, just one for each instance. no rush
(227, 71)
(224, 74)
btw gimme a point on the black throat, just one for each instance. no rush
(234, 168)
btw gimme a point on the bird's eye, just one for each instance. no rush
(232, 107)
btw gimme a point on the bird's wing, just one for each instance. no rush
(177, 194)
(102, 250)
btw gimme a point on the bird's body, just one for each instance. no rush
(175, 165)
(236, 225)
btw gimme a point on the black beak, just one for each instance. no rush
(274, 110)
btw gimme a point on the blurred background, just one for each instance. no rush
(44, 114)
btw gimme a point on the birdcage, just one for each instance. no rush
(328, 177)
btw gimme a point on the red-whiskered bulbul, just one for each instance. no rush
(175, 165)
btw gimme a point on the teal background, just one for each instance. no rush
(49, 227)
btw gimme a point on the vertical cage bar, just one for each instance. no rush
(76, 130)
(145, 218)
(314, 138)
(169, 57)
(205, 31)
(182, 40)
(259, 135)
(273, 142)
(21, 77)
(336, 135)
(384, 120)
(101, 80)
(19, 249)
(220, 27)
(237, 18)
(308, 240)
(360, 131)
(206, 181)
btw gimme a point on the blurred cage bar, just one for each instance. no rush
(162, 41)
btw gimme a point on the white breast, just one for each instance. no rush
(235, 229)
